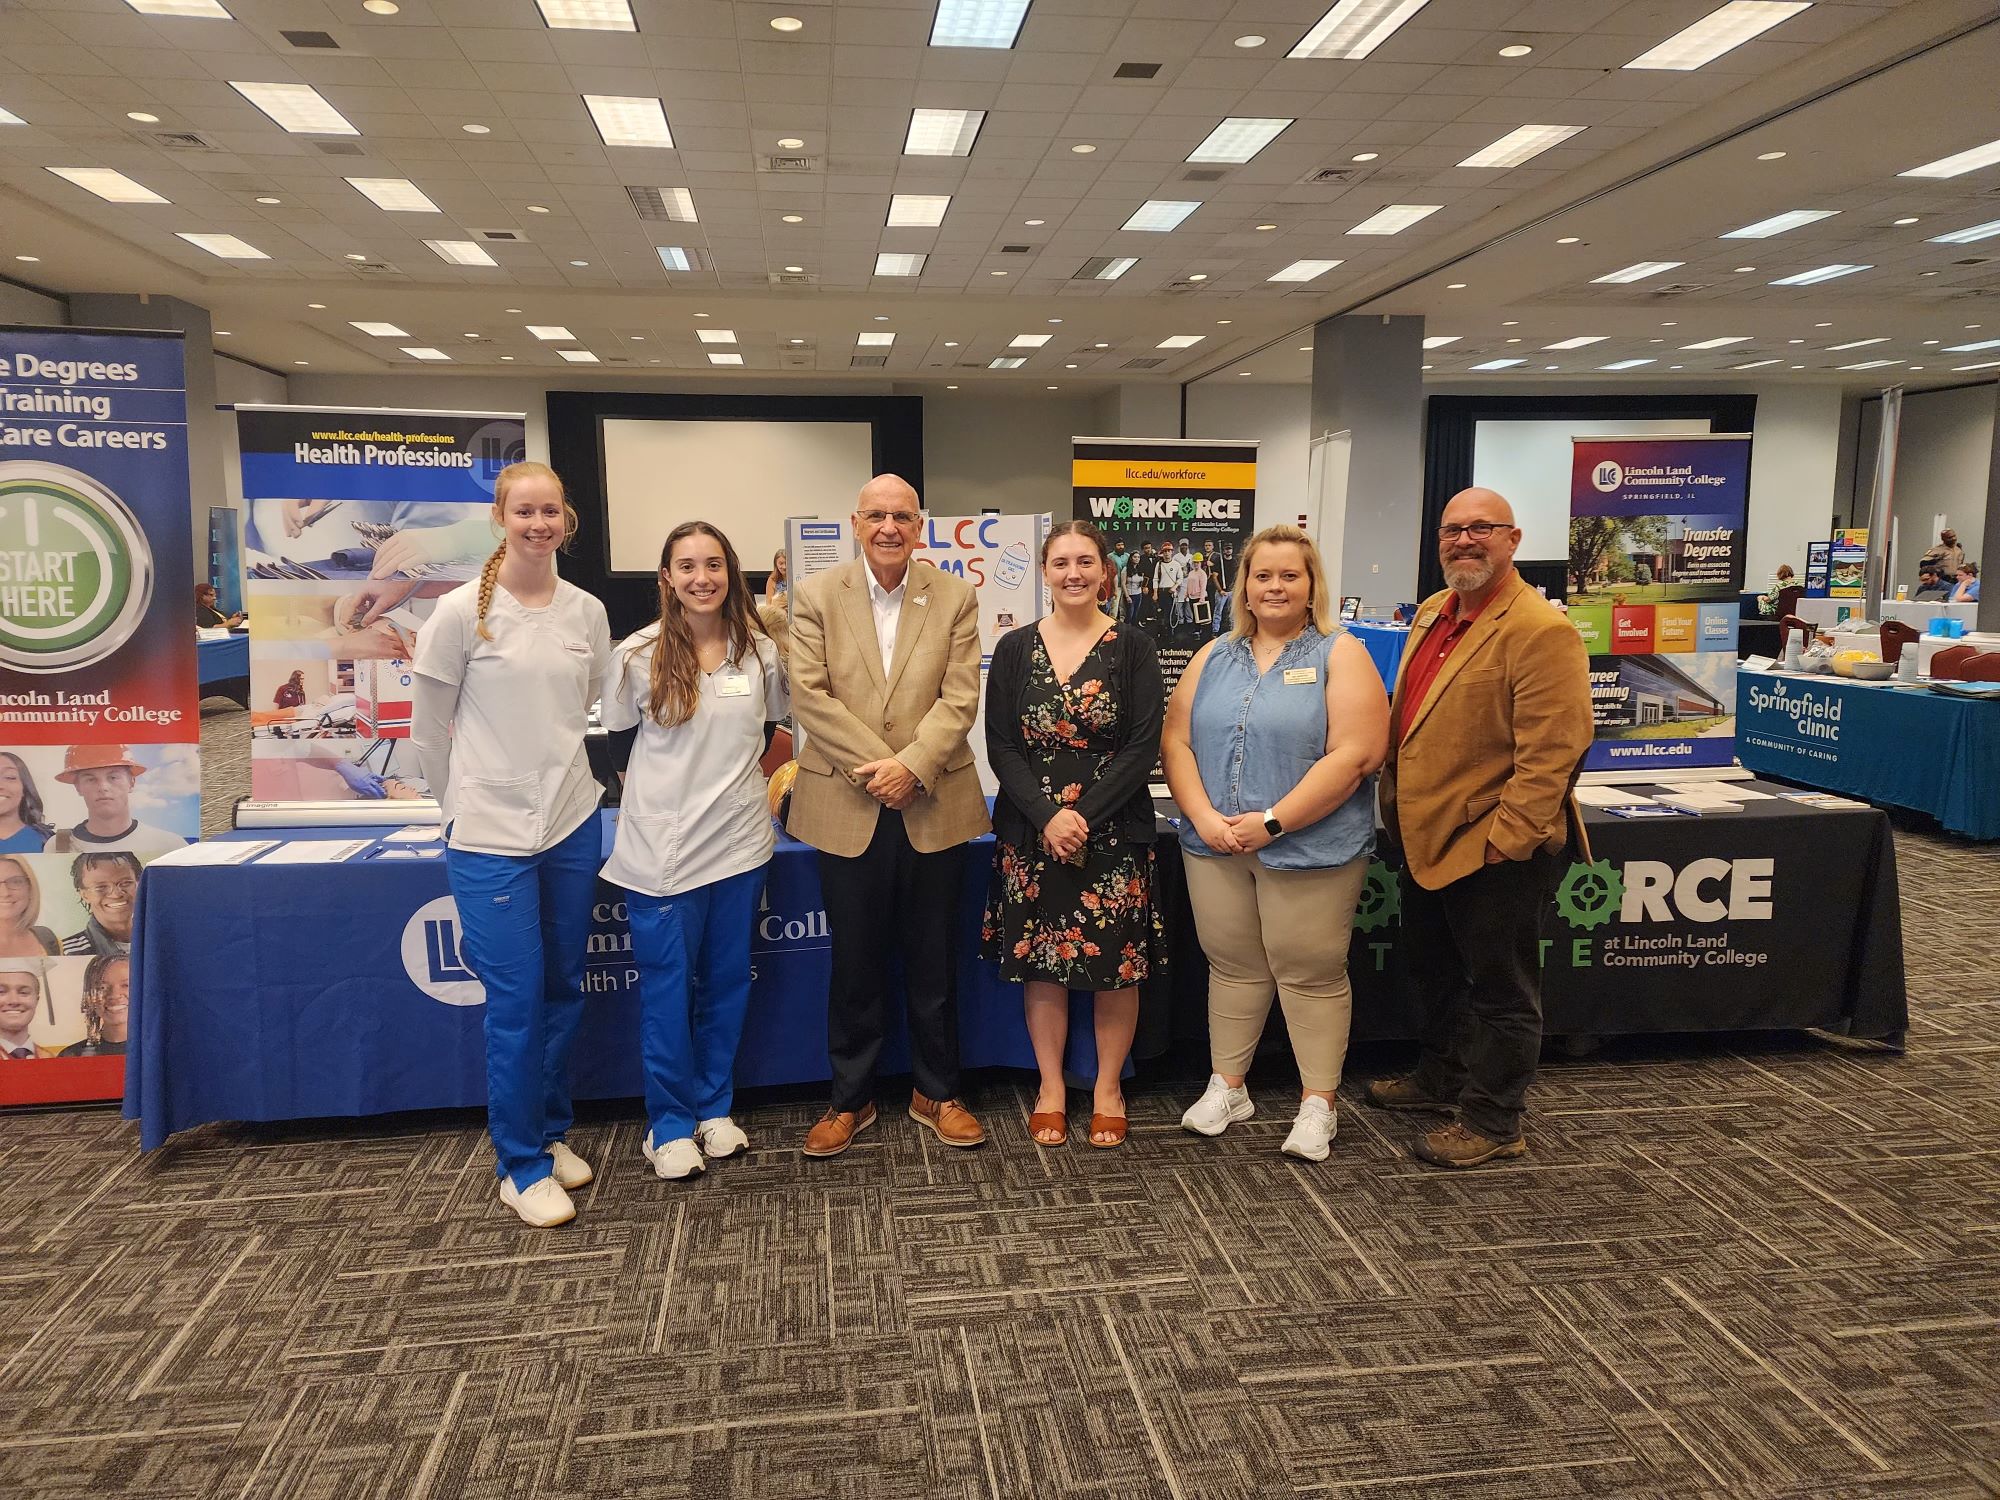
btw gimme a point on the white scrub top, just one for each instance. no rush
(519, 781)
(694, 810)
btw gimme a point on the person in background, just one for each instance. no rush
(1073, 708)
(1967, 591)
(1492, 716)
(1944, 556)
(1195, 589)
(107, 998)
(20, 911)
(206, 615)
(1120, 561)
(292, 691)
(1931, 586)
(20, 998)
(1137, 571)
(24, 824)
(885, 684)
(103, 776)
(507, 668)
(1169, 572)
(701, 683)
(108, 887)
(1767, 602)
(1272, 740)
(778, 587)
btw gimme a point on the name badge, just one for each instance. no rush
(577, 648)
(732, 685)
(1297, 675)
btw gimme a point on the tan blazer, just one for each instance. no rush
(920, 713)
(1493, 748)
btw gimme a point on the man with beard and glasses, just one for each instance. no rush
(1489, 722)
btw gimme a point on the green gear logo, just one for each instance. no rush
(78, 574)
(1123, 509)
(1381, 898)
(1590, 895)
(1188, 507)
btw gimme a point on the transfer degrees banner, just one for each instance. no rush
(356, 522)
(99, 722)
(1656, 553)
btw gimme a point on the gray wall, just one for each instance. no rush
(20, 305)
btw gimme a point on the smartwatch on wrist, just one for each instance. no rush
(1271, 824)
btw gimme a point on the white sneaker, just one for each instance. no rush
(543, 1205)
(1313, 1131)
(675, 1160)
(1219, 1108)
(572, 1171)
(721, 1137)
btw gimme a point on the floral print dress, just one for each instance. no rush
(1090, 923)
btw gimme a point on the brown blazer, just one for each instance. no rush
(1492, 750)
(921, 713)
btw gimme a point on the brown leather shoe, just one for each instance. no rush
(950, 1121)
(1455, 1146)
(837, 1129)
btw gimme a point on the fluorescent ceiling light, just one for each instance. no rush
(1580, 341)
(978, 23)
(674, 258)
(1521, 144)
(207, 10)
(1438, 341)
(551, 333)
(1303, 270)
(1959, 165)
(1625, 364)
(1238, 138)
(425, 352)
(461, 252)
(1498, 364)
(1106, 267)
(1159, 215)
(1014, 363)
(578, 356)
(890, 264)
(1984, 231)
(875, 340)
(1872, 364)
(228, 246)
(1355, 28)
(1856, 344)
(1991, 364)
(297, 107)
(1028, 341)
(629, 119)
(112, 187)
(674, 204)
(1180, 341)
(1723, 343)
(1763, 229)
(917, 210)
(1757, 364)
(1638, 271)
(716, 335)
(398, 195)
(1718, 32)
(720, 358)
(588, 15)
(379, 330)
(1819, 274)
(943, 132)
(8, 117)
(1395, 218)
(1972, 348)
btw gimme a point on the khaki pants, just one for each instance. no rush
(1282, 930)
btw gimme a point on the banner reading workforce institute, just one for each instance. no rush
(1656, 538)
(99, 726)
(1177, 512)
(356, 522)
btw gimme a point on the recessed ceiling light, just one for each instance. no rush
(881, 317)
(917, 210)
(142, 117)
(1082, 148)
(1395, 218)
(629, 119)
(792, 218)
(1243, 372)
(719, 358)
(942, 132)
(1029, 340)
(1523, 143)
(1100, 346)
(1354, 28)
(1638, 271)
(1222, 322)
(508, 357)
(978, 23)
(1267, 226)
(381, 7)
(538, 208)
(1439, 340)
(1454, 286)
(207, 10)
(888, 264)
(1927, 342)
(1670, 325)
(1676, 367)
(1180, 341)
(790, 143)
(221, 333)
(1161, 215)
(1569, 239)
(716, 335)
(1819, 274)
(1763, 229)
(477, 129)
(227, 246)
(301, 361)
(460, 252)
(1517, 49)
(297, 107)
(516, 310)
(1977, 232)
(354, 255)
(798, 341)
(1511, 323)
(112, 187)
(30, 259)
(1757, 364)
(588, 15)
(1626, 364)
(951, 343)
(1744, 270)
(1721, 30)
(1199, 276)
(1927, 273)
(1070, 367)
(379, 330)
(1770, 156)
(1055, 320)
(395, 194)
(1238, 139)
(1367, 156)
(996, 273)
(1034, 223)
(580, 264)
(317, 306)
(1959, 165)
(672, 258)
(1305, 348)
(1497, 364)
(426, 352)
(875, 339)
(1013, 363)
(1721, 343)
(794, 270)
(1856, 344)
(474, 336)
(578, 356)
(1822, 325)
(1580, 341)
(786, 23)
(1303, 270)
(1251, 40)
(1901, 223)
(270, 202)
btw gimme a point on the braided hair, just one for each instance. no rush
(507, 478)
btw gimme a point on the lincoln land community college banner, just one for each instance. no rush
(356, 522)
(1656, 540)
(1177, 512)
(99, 725)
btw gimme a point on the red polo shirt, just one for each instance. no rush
(1438, 643)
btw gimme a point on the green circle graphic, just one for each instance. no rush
(76, 574)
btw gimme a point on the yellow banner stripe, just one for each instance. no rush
(1155, 474)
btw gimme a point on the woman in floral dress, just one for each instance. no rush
(1073, 713)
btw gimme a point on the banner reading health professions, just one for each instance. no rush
(1656, 544)
(1177, 512)
(356, 523)
(99, 724)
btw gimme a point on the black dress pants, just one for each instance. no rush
(885, 901)
(1475, 959)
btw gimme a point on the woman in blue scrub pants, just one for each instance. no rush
(507, 668)
(694, 837)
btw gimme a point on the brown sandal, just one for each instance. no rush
(1111, 1125)
(1053, 1119)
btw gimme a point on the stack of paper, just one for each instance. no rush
(218, 853)
(1594, 795)
(315, 851)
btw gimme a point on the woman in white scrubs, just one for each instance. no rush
(694, 836)
(507, 668)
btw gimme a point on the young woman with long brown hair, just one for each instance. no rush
(694, 837)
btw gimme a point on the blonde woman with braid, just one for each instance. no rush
(701, 684)
(507, 668)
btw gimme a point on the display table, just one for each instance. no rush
(1887, 742)
(1385, 644)
(223, 667)
(295, 991)
(1917, 612)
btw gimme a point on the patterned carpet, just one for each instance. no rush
(1753, 1267)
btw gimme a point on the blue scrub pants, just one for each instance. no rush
(525, 921)
(693, 953)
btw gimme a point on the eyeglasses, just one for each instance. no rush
(109, 887)
(1479, 531)
(900, 517)
(14, 883)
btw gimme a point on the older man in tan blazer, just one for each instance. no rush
(885, 684)
(1490, 719)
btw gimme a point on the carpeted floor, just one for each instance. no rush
(1755, 1268)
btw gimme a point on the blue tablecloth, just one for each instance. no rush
(221, 659)
(1904, 746)
(1385, 644)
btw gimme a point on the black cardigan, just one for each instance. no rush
(1118, 798)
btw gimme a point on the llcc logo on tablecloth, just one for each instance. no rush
(432, 957)
(76, 574)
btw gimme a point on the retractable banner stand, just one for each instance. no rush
(1656, 552)
(357, 521)
(100, 728)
